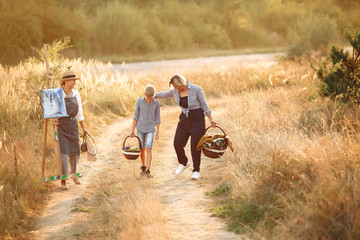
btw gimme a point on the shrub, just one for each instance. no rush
(311, 33)
(125, 31)
(342, 79)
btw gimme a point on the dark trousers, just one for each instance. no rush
(194, 127)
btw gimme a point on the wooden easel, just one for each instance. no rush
(59, 175)
(54, 124)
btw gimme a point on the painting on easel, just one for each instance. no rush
(53, 103)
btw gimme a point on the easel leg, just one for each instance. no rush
(57, 150)
(44, 149)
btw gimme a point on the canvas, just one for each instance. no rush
(53, 103)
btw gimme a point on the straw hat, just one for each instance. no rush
(69, 75)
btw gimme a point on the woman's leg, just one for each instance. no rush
(180, 140)
(73, 160)
(65, 163)
(196, 132)
(65, 169)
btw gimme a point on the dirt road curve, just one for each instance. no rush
(185, 205)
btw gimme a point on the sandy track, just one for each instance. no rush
(186, 208)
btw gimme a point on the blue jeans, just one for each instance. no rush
(147, 139)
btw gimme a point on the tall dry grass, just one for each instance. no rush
(104, 95)
(295, 174)
(295, 171)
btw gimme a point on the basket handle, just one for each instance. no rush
(130, 137)
(217, 127)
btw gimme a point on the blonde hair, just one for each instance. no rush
(150, 91)
(178, 80)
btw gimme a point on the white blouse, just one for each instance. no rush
(79, 116)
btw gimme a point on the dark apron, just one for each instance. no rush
(68, 129)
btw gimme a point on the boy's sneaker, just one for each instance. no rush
(148, 174)
(181, 168)
(143, 170)
(195, 176)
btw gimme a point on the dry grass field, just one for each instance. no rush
(294, 174)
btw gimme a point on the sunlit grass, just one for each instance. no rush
(295, 168)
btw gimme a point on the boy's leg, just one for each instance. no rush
(141, 136)
(149, 141)
(148, 158)
(142, 156)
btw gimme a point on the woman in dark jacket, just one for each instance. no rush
(68, 126)
(191, 99)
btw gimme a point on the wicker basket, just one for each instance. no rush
(213, 153)
(131, 155)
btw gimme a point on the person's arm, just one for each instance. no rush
(205, 107)
(213, 123)
(163, 95)
(157, 132)
(79, 116)
(133, 128)
(157, 120)
(82, 127)
(135, 118)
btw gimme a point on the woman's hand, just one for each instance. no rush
(84, 131)
(213, 123)
(132, 134)
(157, 136)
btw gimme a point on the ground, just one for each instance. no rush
(178, 205)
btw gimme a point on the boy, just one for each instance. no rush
(146, 119)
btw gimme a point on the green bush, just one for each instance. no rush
(121, 28)
(342, 79)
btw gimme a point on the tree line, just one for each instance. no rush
(118, 27)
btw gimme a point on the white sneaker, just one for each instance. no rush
(181, 168)
(195, 175)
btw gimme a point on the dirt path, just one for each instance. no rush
(185, 206)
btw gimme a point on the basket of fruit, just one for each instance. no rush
(214, 146)
(131, 152)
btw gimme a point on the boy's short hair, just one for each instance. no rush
(150, 91)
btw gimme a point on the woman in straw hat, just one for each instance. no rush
(68, 126)
(191, 99)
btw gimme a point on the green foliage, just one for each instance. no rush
(223, 189)
(342, 78)
(115, 27)
(53, 50)
(277, 185)
(121, 28)
(242, 215)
